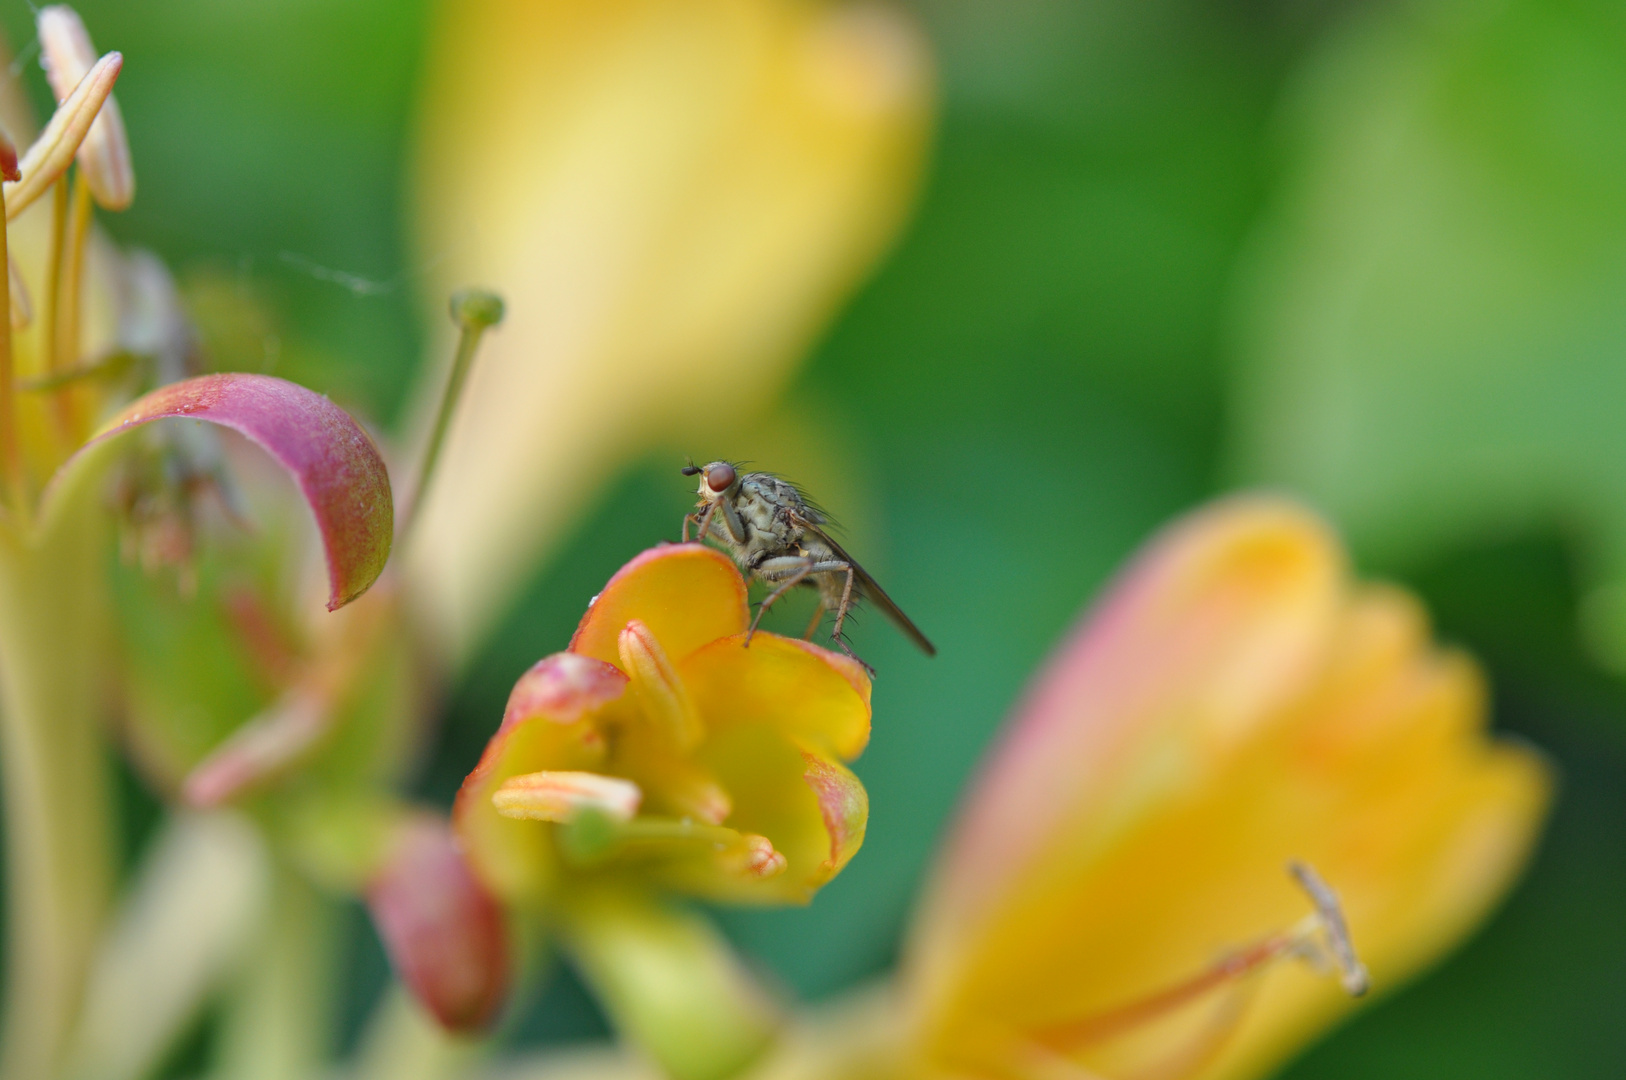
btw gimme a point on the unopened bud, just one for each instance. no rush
(562, 796)
(68, 57)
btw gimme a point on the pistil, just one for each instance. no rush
(1320, 939)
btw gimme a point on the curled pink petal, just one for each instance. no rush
(443, 932)
(336, 465)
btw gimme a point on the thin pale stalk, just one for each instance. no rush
(65, 353)
(277, 1024)
(53, 300)
(402, 1042)
(56, 783)
(10, 453)
(474, 312)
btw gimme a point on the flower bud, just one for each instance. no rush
(444, 933)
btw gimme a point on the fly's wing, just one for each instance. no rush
(872, 590)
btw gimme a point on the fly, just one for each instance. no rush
(776, 535)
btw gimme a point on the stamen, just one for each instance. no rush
(563, 796)
(760, 858)
(71, 289)
(659, 690)
(1320, 937)
(1352, 974)
(104, 158)
(474, 311)
(10, 455)
(22, 308)
(54, 150)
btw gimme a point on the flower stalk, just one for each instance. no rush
(474, 311)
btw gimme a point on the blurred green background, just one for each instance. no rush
(1373, 252)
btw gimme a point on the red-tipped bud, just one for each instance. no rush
(8, 160)
(443, 932)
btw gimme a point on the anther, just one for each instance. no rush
(1352, 974)
(761, 860)
(68, 56)
(564, 796)
(661, 693)
(54, 150)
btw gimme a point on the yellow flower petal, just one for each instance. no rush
(815, 697)
(686, 594)
(767, 777)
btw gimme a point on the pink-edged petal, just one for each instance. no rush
(546, 726)
(1218, 623)
(443, 931)
(845, 806)
(686, 594)
(333, 461)
(812, 695)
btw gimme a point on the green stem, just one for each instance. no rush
(474, 312)
(669, 982)
(402, 1042)
(57, 787)
(278, 1020)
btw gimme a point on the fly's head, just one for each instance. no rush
(716, 480)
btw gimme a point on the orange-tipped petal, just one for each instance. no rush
(815, 697)
(686, 594)
(444, 933)
(844, 804)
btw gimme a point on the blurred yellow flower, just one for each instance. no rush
(673, 196)
(1114, 902)
(660, 751)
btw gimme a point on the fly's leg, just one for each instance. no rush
(791, 571)
(704, 524)
(841, 609)
(813, 625)
(841, 616)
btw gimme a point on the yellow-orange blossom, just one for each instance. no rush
(659, 751)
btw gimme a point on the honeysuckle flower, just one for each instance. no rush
(660, 750)
(1114, 901)
(674, 199)
(661, 754)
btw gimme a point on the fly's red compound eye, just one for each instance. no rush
(719, 477)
